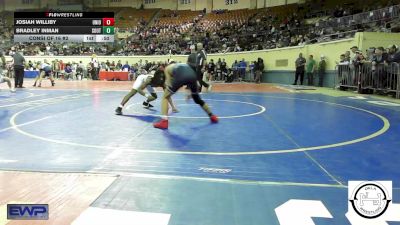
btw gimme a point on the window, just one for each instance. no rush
(185, 2)
(149, 1)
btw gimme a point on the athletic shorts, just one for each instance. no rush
(139, 82)
(47, 71)
(183, 74)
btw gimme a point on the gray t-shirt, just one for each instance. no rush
(18, 59)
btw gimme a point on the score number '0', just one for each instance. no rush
(108, 21)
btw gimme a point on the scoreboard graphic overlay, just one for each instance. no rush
(64, 27)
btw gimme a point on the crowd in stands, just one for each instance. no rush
(375, 70)
(372, 55)
(221, 31)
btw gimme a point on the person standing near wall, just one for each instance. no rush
(19, 62)
(259, 70)
(321, 71)
(300, 64)
(311, 65)
(95, 67)
(235, 70)
(242, 69)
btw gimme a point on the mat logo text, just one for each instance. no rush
(27, 211)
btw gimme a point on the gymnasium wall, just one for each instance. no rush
(260, 4)
(370, 39)
(232, 4)
(125, 3)
(162, 4)
(191, 5)
(195, 5)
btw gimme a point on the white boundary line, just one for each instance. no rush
(219, 180)
(262, 110)
(386, 126)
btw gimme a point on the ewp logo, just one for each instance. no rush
(27, 211)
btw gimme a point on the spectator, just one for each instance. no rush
(112, 66)
(353, 54)
(235, 66)
(95, 67)
(56, 68)
(300, 63)
(394, 54)
(242, 69)
(126, 67)
(343, 60)
(378, 67)
(118, 66)
(311, 65)
(380, 56)
(252, 68)
(68, 73)
(394, 57)
(321, 71)
(347, 56)
(259, 70)
(89, 69)
(30, 65)
(80, 70)
(211, 69)
(218, 70)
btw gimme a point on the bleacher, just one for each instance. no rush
(213, 21)
(171, 17)
(130, 17)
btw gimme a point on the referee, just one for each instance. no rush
(200, 66)
(19, 61)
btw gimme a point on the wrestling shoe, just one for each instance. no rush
(12, 89)
(209, 88)
(147, 105)
(118, 111)
(162, 124)
(214, 119)
(52, 84)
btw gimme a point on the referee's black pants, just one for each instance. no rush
(19, 76)
(200, 79)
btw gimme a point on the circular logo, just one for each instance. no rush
(370, 200)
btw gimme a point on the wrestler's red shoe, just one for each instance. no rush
(214, 119)
(162, 124)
